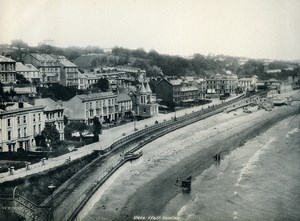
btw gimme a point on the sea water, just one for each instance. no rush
(258, 181)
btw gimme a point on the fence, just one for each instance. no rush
(58, 161)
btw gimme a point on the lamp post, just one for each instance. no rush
(14, 192)
(175, 118)
(51, 188)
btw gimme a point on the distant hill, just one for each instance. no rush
(90, 61)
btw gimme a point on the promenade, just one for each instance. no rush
(108, 137)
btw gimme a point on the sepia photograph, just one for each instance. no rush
(133, 110)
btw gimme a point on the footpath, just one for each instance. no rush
(108, 137)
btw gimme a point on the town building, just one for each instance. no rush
(137, 73)
(85, 107)
(30, 72)
(85, 80)
(199, 83)
(7, 71)
(19, 125)
(221, 84)
(179, 91)
(124, 105)
(247, 84)
(53, 114)
(68, 73)
(143, 103)
(48, 66)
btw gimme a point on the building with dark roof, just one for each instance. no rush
(179, 91)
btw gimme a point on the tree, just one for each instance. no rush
(74, 126)
(21, 80)
(20, 44)
(102, 84)
(97, 128)
(51, 134)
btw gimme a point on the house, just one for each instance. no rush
(143, 104)
(48, 66)
(7, 71)
(68, 73)
(221, 84)
(179, 91)
(86, 80)
(199, 83)
(53, 114)
(19, 124)
(247, 84)
(124, 105)
(30, 72)
(85, 107)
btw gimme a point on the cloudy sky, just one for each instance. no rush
(252, 28)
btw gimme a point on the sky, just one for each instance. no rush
(250, 28)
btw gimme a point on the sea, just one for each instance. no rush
(258, 181)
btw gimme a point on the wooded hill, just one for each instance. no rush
(154, 63)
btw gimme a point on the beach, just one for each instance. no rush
(147, 188)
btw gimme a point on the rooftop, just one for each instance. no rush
(94, 96)
(67, 63)
(123, 97)
(49, 103)
(6, 59)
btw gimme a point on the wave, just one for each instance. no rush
(295, 130)
(248, 168)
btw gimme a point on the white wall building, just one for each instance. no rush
(19, 124)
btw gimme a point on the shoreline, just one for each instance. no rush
(255, 177)
(144, 179)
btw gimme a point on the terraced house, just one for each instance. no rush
(7, 70)
(221, 84)
(179, 91)
(48, 66)
(30, 72)
(19, 124)
(85, 107)
(68, 73)
(53, 114)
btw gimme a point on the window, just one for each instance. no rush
(39, 128)
(9, 135)
(33, 117)
(19, 120)
(19, 133)
(39, 117)
(24, 119)
(34, 129)
(8, 122)
(25, 131)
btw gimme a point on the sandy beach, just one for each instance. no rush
(147, 188)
